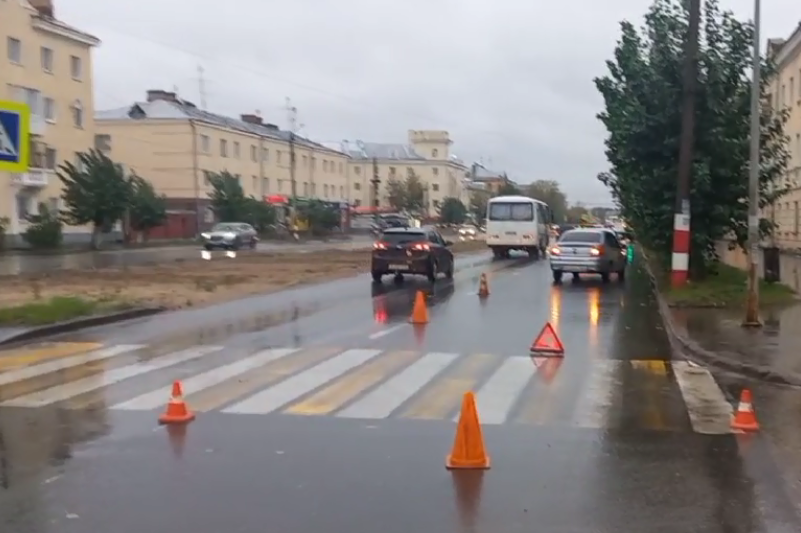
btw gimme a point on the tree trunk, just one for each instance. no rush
(97, 236)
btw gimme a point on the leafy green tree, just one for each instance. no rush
(45, 229)
(260, 215)
(397, 195)
(95, 192)
(576, 214)
(478, 206)
(508, 189)
(147, 208)
(321, 216)
(642, 95)
(228, 200)
(548, 191)
(415, 193)
(452, 211)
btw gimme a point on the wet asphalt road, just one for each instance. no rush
(322, 409)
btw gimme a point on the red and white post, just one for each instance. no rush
(680, 263)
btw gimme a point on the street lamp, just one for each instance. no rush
(752, 299)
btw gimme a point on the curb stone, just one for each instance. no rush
(76, 324)
(690, 350)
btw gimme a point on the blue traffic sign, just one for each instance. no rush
(15, 120)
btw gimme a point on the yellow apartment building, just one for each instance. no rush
(786, 93)
(174, 145)
(46, 64)
(426, 154)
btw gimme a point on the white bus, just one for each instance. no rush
(518, 223)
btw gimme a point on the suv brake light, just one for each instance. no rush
(597, 250)
(421, 247)
(379, 246)
(555, 251)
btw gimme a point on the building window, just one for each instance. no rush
(50, 158)
(357, 170)
(409, 171)
(205, 144)
(434, 152)
(14, 50)
(796, 221)
(265, 154)
(77, 114)
(305, 189)
(236, 151)
(24, 204)
(76, 68)
(357, 186)
(278, 156)
(47, 59)
(325, 191)
(435, 187)
(392, 172)
(265, 185)
(49, 109)
(223, 148)
(254, 153)
(435, 170)
(340, 168)
(314, 163)
(341, 191)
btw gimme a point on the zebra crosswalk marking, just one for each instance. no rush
(339, 392)
(293, 388)
(383, 401)
(265, 376)
(106, 379)
(444, 396)
(374, 384)
(22, 357)
(200, 382)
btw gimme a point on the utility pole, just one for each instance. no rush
(680, 263)
(752, 298)
(376, 180)
(293, 112)
(201, 81)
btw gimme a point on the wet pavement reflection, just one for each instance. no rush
(333, 413)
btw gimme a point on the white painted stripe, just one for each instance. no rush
(293, 388)
(594, 407)
(681, 222)
(384, 332)
(499, 393)
(215, 376)
(381, 402)
(106, 379)
(68, 362)
(709, 411)
(680, 262)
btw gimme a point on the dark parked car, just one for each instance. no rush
(415, 251)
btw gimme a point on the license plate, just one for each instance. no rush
(399, 267)
(578, 269)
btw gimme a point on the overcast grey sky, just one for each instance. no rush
(511, 80)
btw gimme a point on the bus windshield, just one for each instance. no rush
(511, 211)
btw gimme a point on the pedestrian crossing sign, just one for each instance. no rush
(15, 118)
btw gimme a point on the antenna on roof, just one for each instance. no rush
(292, 113)
(201, 82)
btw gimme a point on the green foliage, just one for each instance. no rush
(396, 193)
(95, 192)
(44, 230)
(576, 214)
(452, 211)
(49, 311)
(407, 195)
(4, 223)
(478, 206)
(321, 216)
(229, 203)
(509, 189)
(147, 209)
(642, 95)
(548, 191)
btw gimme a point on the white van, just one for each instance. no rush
(518, 223)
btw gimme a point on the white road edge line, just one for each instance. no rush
(385, 332)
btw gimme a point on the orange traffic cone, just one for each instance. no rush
(468, 446)
(177, 411)
(419, 311)
(745, 418)
(483, 287)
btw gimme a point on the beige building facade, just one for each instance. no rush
(426, 154)
(47, 65)
(174, 145)
(786, 94)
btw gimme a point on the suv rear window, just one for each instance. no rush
(403, 237)
(590, 237)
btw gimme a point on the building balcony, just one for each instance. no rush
(35, 177)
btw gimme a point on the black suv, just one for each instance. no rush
(416, 251)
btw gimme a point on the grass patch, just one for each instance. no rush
(56, 309)
(726, 288)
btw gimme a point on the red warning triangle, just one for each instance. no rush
(547, 342)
